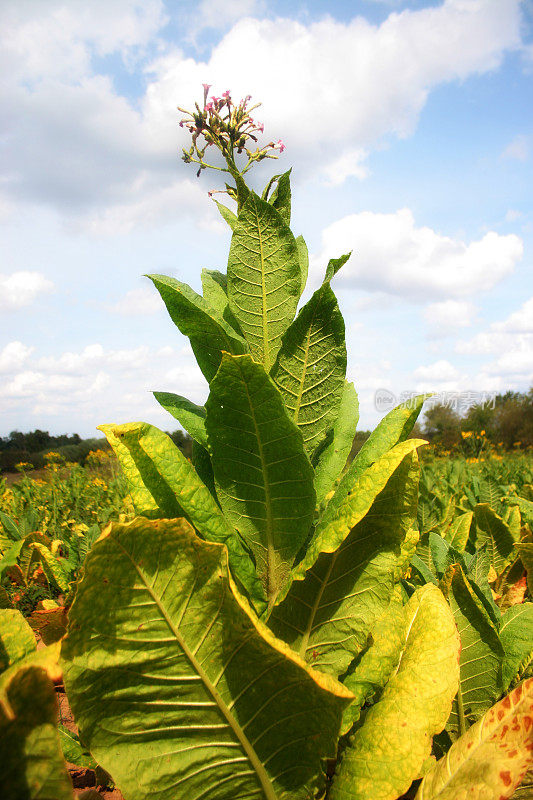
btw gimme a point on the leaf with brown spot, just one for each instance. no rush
(489, 761)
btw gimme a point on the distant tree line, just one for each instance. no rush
(507, 422)
(32, 447)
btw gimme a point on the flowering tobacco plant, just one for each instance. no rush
(256, 631)
(231, 130)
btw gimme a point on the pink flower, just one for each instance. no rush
(226, 94)
(280, 146)
(206, 86)
(209, 107)
(261, 128)
(215, 99)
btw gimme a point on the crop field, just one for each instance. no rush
(473, 512)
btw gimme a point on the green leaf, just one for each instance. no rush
(481, 653)
(516, 636)
(458, 532)
(393, 429)
(281, 197)
(310, 367)
(188, 414)
(492, 530)
(201, 461)
(378, 662)
(215, 291)
(327, 616)
(227, 215)
(31, 761)
(51, 566)
(10, 526)
(334, 266)
(345, 511)
(206, 328)
(264, 479)
(389, 748)
(175, 490)
(263, 278)
(491, 758)
(178, 689)
(73, 750)
(331, 458)
(16, 638)
(303, 259)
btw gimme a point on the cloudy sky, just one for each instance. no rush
(409, 127)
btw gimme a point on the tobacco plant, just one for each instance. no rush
(255, 632)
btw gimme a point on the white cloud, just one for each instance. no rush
(443, 319)
(332, 90)
(518, 149)
(21, 288)
(137, 302)
(440, 371)
(13, 356)
(392, 255)
(84, 388)
(510, 342)
(214, 14)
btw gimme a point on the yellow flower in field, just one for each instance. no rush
(482, 433)
(52, 456)
(23, 466)
(466, 434)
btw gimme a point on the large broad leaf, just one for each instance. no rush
(215, 290)
(16, 638)
(331, 458)
(173, 489)
(516, 636)
(373, 670)
(264, 478)
(492, 530)
(263, 277)
(457, 533)
(491, 758)
(388, 749)
(525, 551)
(311, 365)
(344, 512)
(188, 414)
(206, 328)
(327, 616)
(481, 653)
(281, 196)
(178, 689)
(31, 763)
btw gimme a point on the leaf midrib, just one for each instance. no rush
(264, 315)
(248, 749)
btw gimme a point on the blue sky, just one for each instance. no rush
(409, 127)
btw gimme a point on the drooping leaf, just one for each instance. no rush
(10, 526)
(49, 623)
(188, 414)
(335, 264)
(489, 761)
(175, 490)
(344, 512)
(331, 458)
(264, 479)
(208, 331)
(178, 689)
(310, 367)
(458, 532)
(492, 530)
(303, 258)
(516, 636)
(481, 653)
(388, 750)
(51, 566)
(201, 461)
(215, 291)
(327, 616)
(263, 278)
